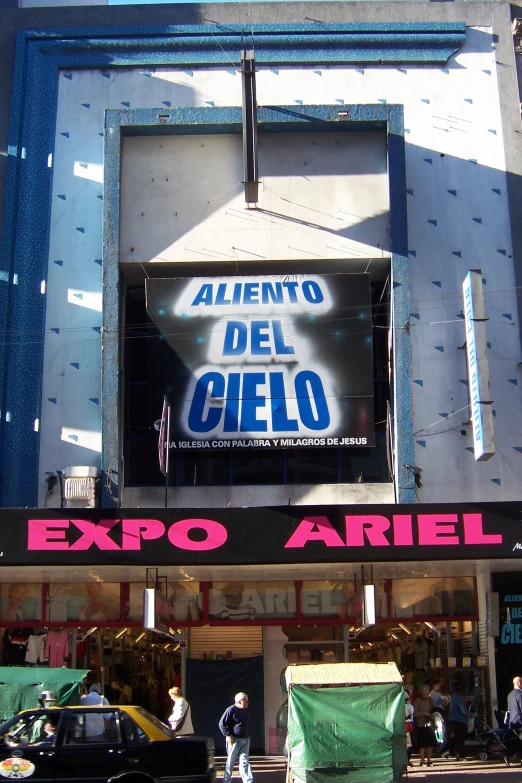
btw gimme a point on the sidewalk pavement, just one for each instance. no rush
(272, 769)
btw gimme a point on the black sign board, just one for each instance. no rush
(273, 535)
(273, 361)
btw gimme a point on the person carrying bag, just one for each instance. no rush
(180, 720)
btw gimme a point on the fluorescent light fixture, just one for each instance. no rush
(120, 633)
(432, 627)
(351, 628)
(405, 628)
(166, 647)
(176, 647)
(140, 637)
(369, 604)
(173, 631)
(394, 635)
(91, 630)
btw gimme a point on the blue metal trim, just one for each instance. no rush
(285, 43)
(281, 119)
(40, 57)
(25, 261)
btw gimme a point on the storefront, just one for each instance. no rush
(250, 591)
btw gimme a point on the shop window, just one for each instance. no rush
(240, 601)
(257, 467)
(449, 597)
(203, 468)
(93, 602)
(340, 599)
(20, 602)
(314, 644)
(184, 598)
(317, 466)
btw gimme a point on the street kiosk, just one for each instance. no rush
(346, 723)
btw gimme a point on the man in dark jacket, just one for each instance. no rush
(235, 727)
(514, 705)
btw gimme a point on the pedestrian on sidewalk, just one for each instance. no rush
(235, 727)
(423, 707)
(180, 719)
(458, 721)
(514, 705)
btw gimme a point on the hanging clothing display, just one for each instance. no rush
(16, 646)
(35, 652)
(57, 648)
(421, 652)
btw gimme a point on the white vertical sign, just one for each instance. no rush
(478, 368)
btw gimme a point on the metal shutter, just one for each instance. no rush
(241, 641)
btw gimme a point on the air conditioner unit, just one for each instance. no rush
(80, 486)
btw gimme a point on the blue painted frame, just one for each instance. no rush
(291, 119)
(40, 58)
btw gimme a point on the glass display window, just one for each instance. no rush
(184, 598)
(448, 597)
(20, 602)
(238, 601)
(341, 599)
(93, 602)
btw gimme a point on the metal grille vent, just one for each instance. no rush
(80, 488)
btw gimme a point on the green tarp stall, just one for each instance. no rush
(346, 723)
(20, 687)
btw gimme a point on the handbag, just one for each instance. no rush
(409, 726)
(178, 725)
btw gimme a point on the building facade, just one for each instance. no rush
(313, 341)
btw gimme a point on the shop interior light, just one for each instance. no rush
(140, 637)
(176, 647)
(351, 628)
(120, 633)
(405, 628)
(174, 631)
(91, 630)
(432, 627)
(394, 636)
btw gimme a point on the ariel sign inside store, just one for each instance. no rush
(265, 361)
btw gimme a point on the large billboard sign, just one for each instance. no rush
(263, 361)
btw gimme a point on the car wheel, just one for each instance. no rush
(514, 757)
(483, 756)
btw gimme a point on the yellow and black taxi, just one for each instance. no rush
(97, 744)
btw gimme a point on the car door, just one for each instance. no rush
(22, 755)
(92, 750)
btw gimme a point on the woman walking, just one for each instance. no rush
(180, 719)
(423, 706)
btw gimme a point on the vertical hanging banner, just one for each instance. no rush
(164, 438)
(478, 367)
(265, 361)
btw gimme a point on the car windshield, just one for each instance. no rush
(165, 729)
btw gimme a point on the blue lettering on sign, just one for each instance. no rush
(236, 339)
(255, 293)
(247, 407)
(257, 378)
(511, 633)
